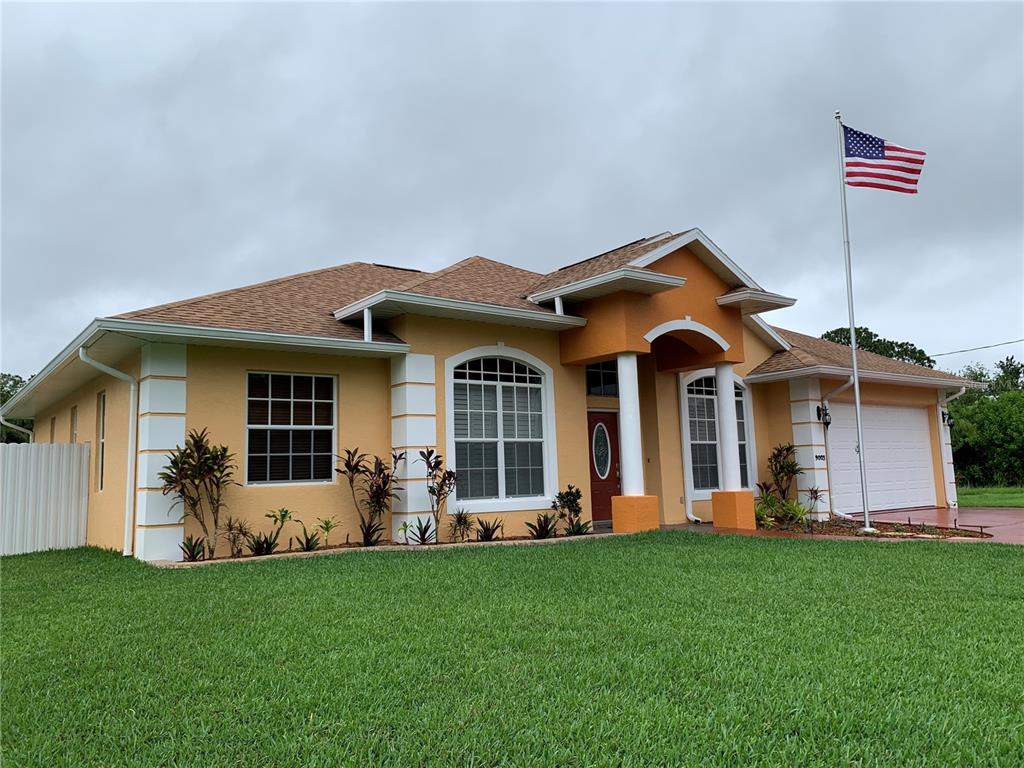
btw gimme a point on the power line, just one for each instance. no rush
(975, 349)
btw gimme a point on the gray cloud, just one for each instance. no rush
(154, 152)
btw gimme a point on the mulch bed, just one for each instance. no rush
(841, 527)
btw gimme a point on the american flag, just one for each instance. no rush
(874, 162)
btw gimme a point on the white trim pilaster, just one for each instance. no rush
(809, 441)
(413, 428)
(162, 407)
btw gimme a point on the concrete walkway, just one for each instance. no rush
(1005, 525)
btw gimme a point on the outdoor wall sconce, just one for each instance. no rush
(947, 419)
(824, 416)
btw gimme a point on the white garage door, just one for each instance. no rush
(898, 446)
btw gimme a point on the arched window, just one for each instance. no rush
(703, 450)
(499, 425)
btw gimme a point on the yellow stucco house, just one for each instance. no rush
(644, 375)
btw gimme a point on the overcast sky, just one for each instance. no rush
(156, 152)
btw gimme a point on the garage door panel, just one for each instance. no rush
(898, 448)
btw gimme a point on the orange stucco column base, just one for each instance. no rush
(631, 514)
(734, 510)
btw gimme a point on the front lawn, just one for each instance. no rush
(664, 648)
(990, 497)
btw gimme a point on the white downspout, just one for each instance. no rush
(16, 428)
(828, 451)
(133, 406)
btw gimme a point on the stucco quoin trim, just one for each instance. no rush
(514, 503)
(687, 324)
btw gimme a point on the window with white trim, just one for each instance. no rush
(290, 422)
(498, 418)
(701, 404)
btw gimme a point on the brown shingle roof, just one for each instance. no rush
(301, 304)
(810, 351)
(598, 265)
(478, 279)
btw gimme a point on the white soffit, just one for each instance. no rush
(386, 304)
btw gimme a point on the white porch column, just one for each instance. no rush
(728, 436)
(631, 454)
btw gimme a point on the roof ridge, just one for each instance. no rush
(429, 277)
(261, 284)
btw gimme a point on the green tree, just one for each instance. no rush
(872, 342)
(10, 383)
(988, 425)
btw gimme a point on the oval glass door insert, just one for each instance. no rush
(601, 450)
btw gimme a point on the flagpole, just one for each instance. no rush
(853, 330)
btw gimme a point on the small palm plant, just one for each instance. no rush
(325, 526)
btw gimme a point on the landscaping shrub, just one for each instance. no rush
(461, 526)
(235, 530)
(545, 527)
(192, 548)
(262, 543)
(198, 474)
(420, 532)
(440, 484)
(568, 508)
(325, 525)
(378, 485)
(309, 540)
(783, 467)
(489, 530)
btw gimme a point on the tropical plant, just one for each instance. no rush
(489, 530)
(309, 540)
(422, 531)
(440, 483)
(545, 527)
(235, 530)
(790, 513)
(460, 526)
(814, 497)
(325, 525)
(784, 468)
(378, 484)
(765, 510)
(568, 508)
(193, 549)
(198, 474)
(262, 543)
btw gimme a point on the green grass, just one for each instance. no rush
(990, 497)
(666, 648)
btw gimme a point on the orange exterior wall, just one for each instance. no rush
(105, 521)
(443, 338)
(216, 393)
(617, 323)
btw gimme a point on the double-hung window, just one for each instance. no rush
(703, 433)
(498, 416)
(290, 422)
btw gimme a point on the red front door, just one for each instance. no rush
(604, 462)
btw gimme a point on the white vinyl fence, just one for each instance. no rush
(44, 496)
